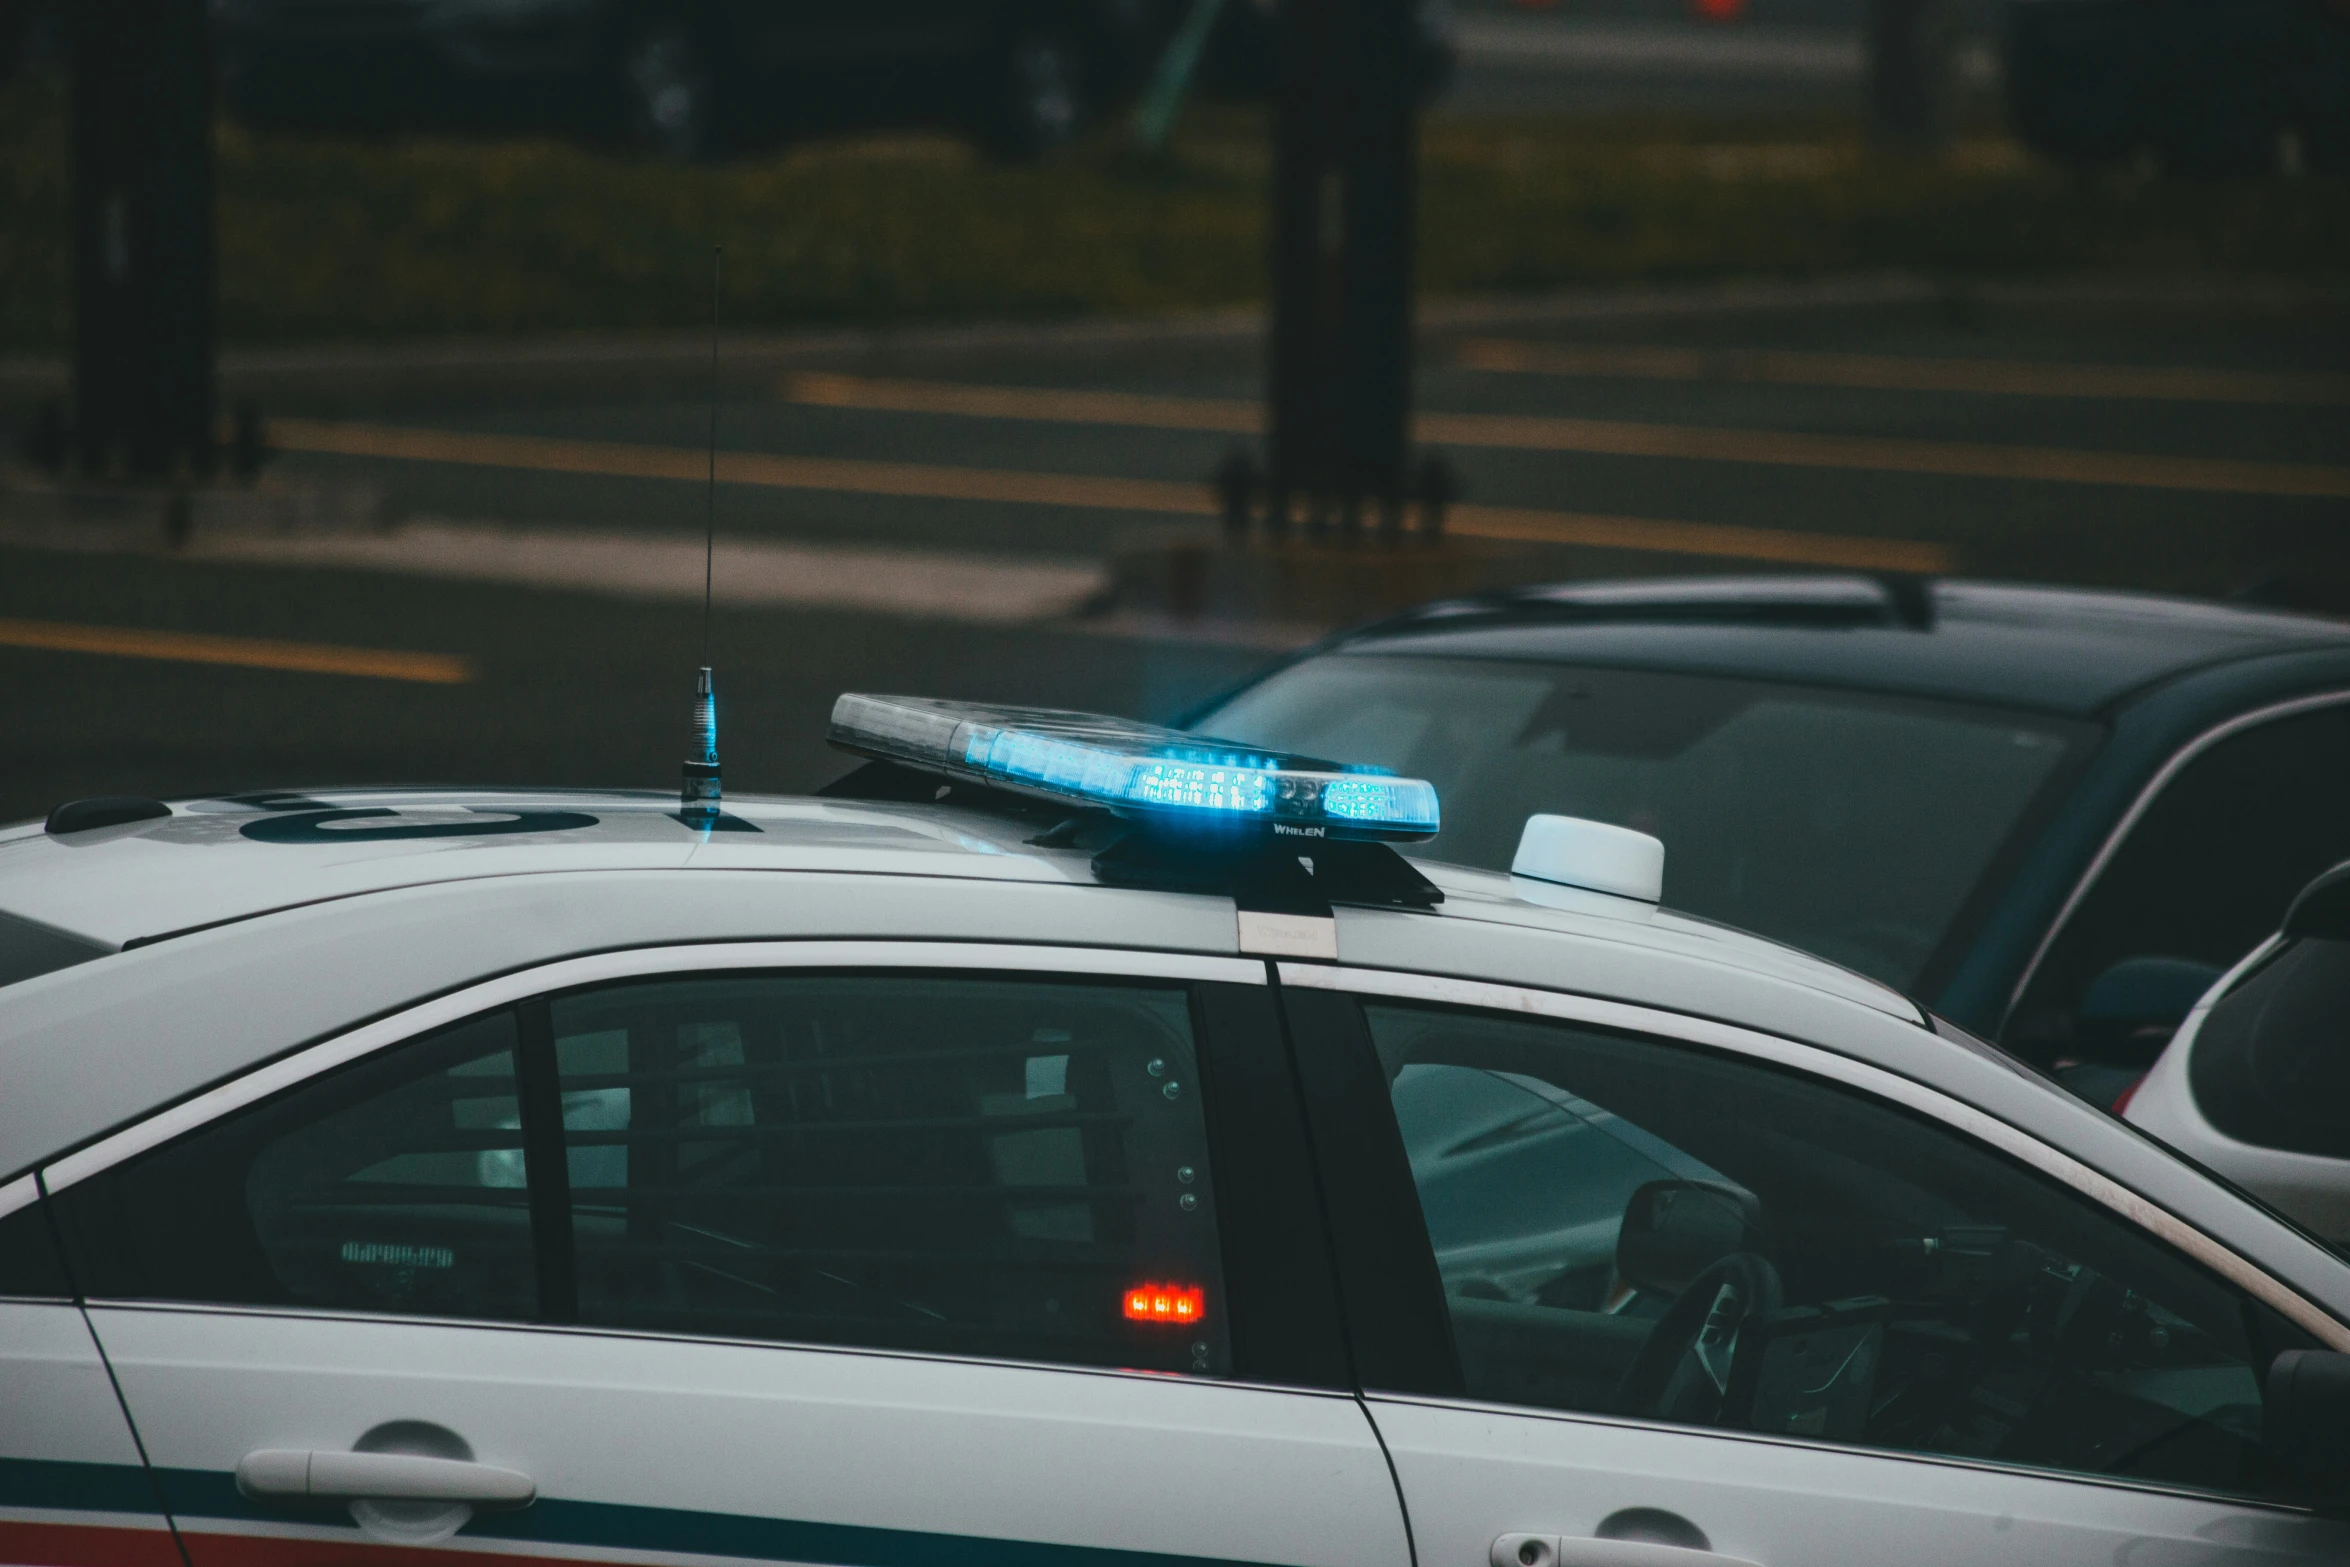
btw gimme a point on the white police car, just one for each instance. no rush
(948, 1169)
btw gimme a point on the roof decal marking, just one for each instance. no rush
(319, 826)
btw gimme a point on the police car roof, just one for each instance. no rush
(587, 871)
(218, 860)
(215, 862)
(2072, 651)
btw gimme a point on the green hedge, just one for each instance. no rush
(336, 238)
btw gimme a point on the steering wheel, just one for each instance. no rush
(1683, 1371)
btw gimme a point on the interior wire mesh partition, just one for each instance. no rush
(937, 1163)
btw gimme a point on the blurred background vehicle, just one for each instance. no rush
(2256, 1085)
(2201, 88)
(694, 78)
(2052, 816)
(684, 78)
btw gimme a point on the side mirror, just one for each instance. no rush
(1675, 1230)
(2306, 1421)
(2131, 1010)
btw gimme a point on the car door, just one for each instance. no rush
(852, 1253)
(72, 1489)
(1621, 1280)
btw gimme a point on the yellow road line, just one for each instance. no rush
(1881, 454)
(189, 647)
(1614, 438)
(629, 460)
(1024, 402)
(1881, 372)
(1158, 496)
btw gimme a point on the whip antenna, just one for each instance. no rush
(698, 796)
(710, 489)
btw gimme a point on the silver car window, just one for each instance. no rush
(393, 1185)
(29, 949)
(1010, 1165)
(981, 1165)
(1704, 1240)
(2271, 1063)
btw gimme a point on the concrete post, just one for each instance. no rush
(1909, 70)
(1344, 176)
(144, 389)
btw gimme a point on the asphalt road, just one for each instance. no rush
(933, 523)
(559, 688)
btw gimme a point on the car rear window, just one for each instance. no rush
(29, 949)
(1855, 826)
(2271, 1064)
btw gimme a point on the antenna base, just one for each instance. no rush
(699, 794)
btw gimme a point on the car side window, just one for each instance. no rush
(29, 1265)
(1631, 1227)
(990, 1167)
(396, 1184)
(998, 1167)
(29, 949)
(2206, 873)
(2271, 1064)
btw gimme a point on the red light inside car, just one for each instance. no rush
(2121, 1105)
(1166, 1303)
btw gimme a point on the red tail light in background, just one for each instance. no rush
(1166, 1303)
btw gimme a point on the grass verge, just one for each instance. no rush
(344, 238)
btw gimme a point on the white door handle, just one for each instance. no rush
(1552, 1550)
(297, 1474)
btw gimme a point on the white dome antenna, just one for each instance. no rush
(1595, 856)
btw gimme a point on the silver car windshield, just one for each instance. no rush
(1851, 825)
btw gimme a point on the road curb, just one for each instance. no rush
(331, 376)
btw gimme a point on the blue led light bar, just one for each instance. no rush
(1135, 769)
